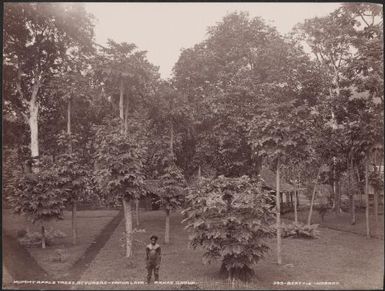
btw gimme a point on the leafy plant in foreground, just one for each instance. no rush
(230, 218)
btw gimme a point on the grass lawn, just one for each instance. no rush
(348, 259)
(90, 223)
(341, 221)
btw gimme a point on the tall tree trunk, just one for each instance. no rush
(74, 222)
(338, 197)
(367, 197)
(295, 205)
(334, 207)
(312, 198)
(278, 207)
(375, 201)
(34, 129)
(125, 121)
(121, 103)
(74, 206)
(258, 165)
(171, 138)
(361, 190)
(43, 238)
(69, 124)
(199, 173)
(128, 225)
(137, 211)
(353, 202)
(167, 227)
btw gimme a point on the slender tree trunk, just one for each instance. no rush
(167, 227)
(334, 186)
(121, 103)
(278, 207)
(359, 184)
(34, 128)
(349, 188)
(171, 138)
(128, 225)
(367, 197)
(121, 99)
(295, 206)
(127, 203)
(74, 222)
(43, 238)
(376, 171)
(351, 178)
(338, 197)
(125, 126)
(74, 203)
(312, 198)
(137, 211)
(259, 162)
(69, 105)
(375, 201)
(199, 173)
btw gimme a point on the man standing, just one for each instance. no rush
(153, 258)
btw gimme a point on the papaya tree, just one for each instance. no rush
(366, 70)
(231, 219)
(41, 196)
(128, 80)
(74, 168)
(74, 86)
(171, 192)
(119, 169)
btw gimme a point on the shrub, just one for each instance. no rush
(40, 196)
(33, 239)
(300, 230)
(230, 218)
(60, 255)
(20, 233)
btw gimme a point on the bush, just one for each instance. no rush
(33, 238)
(20, 233)
(61, 255)
(300, 230)
(40, 196)
(230, 218)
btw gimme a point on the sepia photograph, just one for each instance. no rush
(193, 146)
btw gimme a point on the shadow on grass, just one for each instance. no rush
(23, 267)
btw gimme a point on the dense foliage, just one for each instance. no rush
(40, 196)
(119, 161)
(230, 218)
(102, 122)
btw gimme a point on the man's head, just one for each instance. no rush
(154, 239)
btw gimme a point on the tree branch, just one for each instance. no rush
(35, 90)
(362, 17)
(21, 113)
(18, 82)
